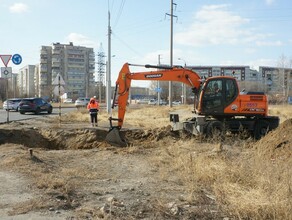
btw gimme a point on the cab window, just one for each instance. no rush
(213, 94)
(230, 90)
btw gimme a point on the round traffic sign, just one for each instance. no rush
(16, 59)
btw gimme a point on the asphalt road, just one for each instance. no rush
(16, 116)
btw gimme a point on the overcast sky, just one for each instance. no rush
(206, 32)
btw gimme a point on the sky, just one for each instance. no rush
(205, 32)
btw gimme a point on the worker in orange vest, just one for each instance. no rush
(93, 108)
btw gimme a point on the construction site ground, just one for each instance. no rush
(61, 168)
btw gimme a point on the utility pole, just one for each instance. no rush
(184, 89)
(171, 47)
(108, 73)
(158, 84)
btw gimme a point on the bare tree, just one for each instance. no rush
(283, 63)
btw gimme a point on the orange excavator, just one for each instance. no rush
(218, 106)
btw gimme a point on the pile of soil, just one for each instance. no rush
(277, 144)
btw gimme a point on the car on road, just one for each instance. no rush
(36, 105)
(155, 102)
(152, 102)
(176, 102)
(11, 104)
(162, 102)
(81, 102)
(68, 100)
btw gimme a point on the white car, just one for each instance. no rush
(68, 101)
(176, 102)
(162, 102)
(11, 104)
(81, 102)
(152, 102)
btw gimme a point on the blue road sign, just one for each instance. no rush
(158, 89)
(16, 59)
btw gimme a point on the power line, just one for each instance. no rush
(119, 12)
(127, 45)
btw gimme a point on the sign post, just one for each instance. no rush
(7, 72)
(5, 59)
(59, 83)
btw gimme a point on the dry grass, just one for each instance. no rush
(242, 177)
(245, 181)
(282, 111)
(242, 183)
(49, 175)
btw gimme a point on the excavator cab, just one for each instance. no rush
(217, 93)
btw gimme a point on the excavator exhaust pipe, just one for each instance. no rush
(114, 138)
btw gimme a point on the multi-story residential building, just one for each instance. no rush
(43, 78)
(241, 73)
(76, 65)
(26, 81)
(277, 80)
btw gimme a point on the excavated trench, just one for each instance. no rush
(86, 138)
(56, 139)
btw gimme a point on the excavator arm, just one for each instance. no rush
(123, 85)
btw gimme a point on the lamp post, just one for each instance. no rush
(184, 89)
(158, 84)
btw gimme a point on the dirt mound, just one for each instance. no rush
(278, 143)
(74, 138)
(56, 139)
(59, 139)
(154, 134)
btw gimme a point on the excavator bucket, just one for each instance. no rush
(114, 138)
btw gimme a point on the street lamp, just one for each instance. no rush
(184, 90)
(183, 61)
(158, 84)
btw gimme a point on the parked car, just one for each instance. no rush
(81, 102)
(155, 102)
(142, 101)
(36, 105)
(152, 102)
(176, 102)
(11, 104)
(162, 102)
(68, 100)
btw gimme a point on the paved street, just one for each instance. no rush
(16, 116)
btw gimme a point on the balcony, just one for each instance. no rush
(56, 52)
(56, 60)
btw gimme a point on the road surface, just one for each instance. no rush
(16, 116)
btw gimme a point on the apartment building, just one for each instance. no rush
(241, 73)
(277, 80)
(76, 65)
(267, 79)
(26, 81)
